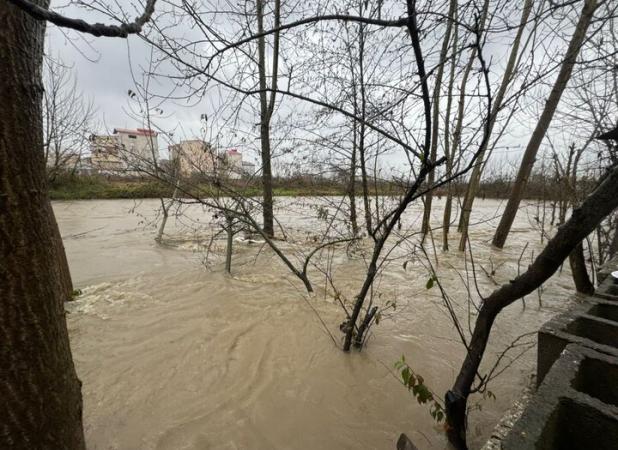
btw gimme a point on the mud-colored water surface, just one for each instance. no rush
(174, 354)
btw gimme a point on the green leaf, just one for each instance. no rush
(429, 284)
(423, 394)
(405, 374)
(411, 381)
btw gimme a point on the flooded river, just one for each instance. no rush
(174, 354)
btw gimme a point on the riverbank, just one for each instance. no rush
(101, 188)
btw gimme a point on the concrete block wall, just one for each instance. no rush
(576, 406)
(593, 324)
(576, 403)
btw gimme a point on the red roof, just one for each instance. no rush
(233, 151)
(138, 132)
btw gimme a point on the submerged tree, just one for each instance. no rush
(529, 157)
(585, 218)
(507, 79)
(267, 106)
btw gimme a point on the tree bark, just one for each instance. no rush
(577, 261)
(266, 111)
(583, 221)
(352, 184)
(542, 125)
(61, 257)
(229, 229)
(41, 404)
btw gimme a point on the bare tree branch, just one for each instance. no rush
(96, 29)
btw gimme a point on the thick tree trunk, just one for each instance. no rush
(577, 261)
(41, 404)
(62, 262)
(582, 222)
(542, 125)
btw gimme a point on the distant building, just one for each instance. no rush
(232, 162)
(193, 157)
(124, 151)
(166, 166)
(248, 168)
(84, 167)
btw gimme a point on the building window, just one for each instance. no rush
(132, 136)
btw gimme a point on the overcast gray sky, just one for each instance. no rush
(103, 70)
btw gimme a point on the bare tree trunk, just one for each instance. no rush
(266, 111)
(361, 138)
(159, 236)
(448, 204)
(577, 261)
(41, 404)
(462, 96)
(542, 125)
(166, 209)
(352, 184)
(475, 177)
(583, 221)
(360, 336)
(436, 115)
(229, 224)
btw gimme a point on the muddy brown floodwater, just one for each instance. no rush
(176, 355)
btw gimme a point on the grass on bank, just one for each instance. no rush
(81, 187)
(99, 187)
